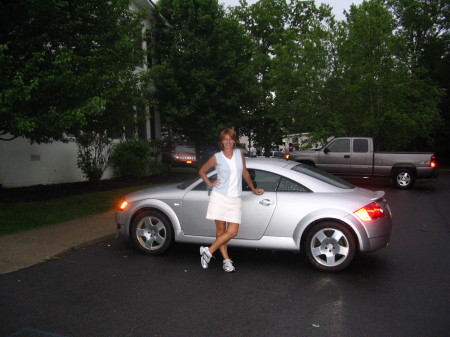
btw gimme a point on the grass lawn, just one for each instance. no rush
(22, 216)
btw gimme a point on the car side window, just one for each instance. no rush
(360, 145)
(340, 145)
(262, 179)
(202, 186)
(288, 185)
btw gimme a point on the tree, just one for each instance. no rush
(201, 77)
(425, 27)
(67, 66)
(373, 91)
(291, 60)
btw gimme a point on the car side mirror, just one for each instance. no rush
(326, 150)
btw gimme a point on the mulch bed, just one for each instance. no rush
(46, 192)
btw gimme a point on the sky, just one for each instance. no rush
(338, 5)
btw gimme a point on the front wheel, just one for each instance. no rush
(330, 246)
(151, 232)
(403, 179)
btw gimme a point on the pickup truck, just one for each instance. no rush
(355, 156)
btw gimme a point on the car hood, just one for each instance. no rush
(159, 192)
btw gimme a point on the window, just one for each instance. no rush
(340, 145)
(202, 186)
(323, 176)
(360, 145)
(287, 185)
(262, 179)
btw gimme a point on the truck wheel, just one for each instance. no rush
(330, 246)
(151, 233)
(404, 179)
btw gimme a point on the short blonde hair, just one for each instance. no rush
(227, 132)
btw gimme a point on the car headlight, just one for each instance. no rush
(122, 205)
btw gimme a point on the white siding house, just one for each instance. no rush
(25, 164)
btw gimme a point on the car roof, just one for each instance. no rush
(268, 162)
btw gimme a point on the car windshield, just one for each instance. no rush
(323, 176)
(184, 149)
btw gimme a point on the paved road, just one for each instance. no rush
(111, 290)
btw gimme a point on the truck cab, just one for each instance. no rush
(347, 156)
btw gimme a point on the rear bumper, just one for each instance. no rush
(184, 163)
(427, 173)
(377, 243)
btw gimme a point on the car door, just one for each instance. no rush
(194, 207)
(335, 158)
(257, 210)
(361, 160)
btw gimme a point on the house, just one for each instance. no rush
(25, 164)
(295, 141)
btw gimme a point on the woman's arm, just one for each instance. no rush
(248, 179)
(205, 168)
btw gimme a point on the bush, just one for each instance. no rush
(136, 158)
(93, 154)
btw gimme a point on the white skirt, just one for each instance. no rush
(225, 208)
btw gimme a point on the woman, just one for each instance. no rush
(225, 202)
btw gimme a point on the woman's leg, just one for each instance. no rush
(226, 235)
(221, 227)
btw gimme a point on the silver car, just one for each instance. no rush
(303, 209)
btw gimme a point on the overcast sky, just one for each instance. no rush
(338, 5)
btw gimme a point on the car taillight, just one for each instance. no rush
(123, 204)
(287, 156)
(433, 162)
(370, 212)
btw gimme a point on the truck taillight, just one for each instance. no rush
(370, 212)
(433, 162)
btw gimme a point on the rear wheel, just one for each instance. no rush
(403, 179)
(330, 246)
(151, 232)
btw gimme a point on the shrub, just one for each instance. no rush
(93, 154)
(135, 158)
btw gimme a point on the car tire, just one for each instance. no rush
(151, 232)
(330, 246)
(403, 179)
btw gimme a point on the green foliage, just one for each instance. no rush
(136, 158)
(59, 58)
(357, 77)
(202, 80)
(373, 92)
(291, 59)
(93, 155)
(425, 26)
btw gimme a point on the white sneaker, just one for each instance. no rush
(205, 257)
(228, 266)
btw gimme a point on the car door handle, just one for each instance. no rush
(266, 202)
(347, 156)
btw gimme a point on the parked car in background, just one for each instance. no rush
(302, 209)
(356, 156)
(181, 156)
